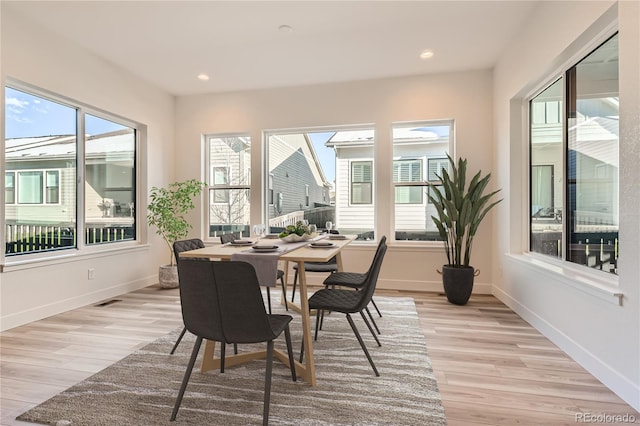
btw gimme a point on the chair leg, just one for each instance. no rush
(318, 313)
(267, 384)
(185, 379)
(269, 299)
(235, 349)
(301, 350)
(287, 337)
(373, 333)
(284, 292)
(364, 348)
(223, 347)
(376, 306)
(372, 321)
(295, 281)
(175, 345)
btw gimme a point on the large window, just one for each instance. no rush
(419, 155)
(322, 176)
(42, 147)
(580, 174)
(229, 182)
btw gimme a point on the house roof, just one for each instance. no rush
(401, 135)
(64, 146)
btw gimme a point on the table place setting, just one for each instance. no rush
(322, 244)
(241, 243)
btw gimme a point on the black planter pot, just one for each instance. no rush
(458, 283)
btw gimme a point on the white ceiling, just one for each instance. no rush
(239, 45)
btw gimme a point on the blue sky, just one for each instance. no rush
(30, 116)
(326, 156)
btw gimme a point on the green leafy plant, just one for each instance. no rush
(461, 209)
(168, 207)
(299, 229)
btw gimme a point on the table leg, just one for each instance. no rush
(310, 369)
(283, 296)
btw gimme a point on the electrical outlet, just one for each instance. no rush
(91, 273)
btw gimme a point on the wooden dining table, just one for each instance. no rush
(298, 255)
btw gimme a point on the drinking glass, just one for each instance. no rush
(312, 229)
(328, 225)
(258, 230)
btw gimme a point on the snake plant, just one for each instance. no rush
(460, 209)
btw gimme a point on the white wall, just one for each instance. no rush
(577, 311)
(32, 55)
(465, 97)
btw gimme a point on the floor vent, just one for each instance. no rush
(107, 303)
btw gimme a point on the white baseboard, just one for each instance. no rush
(620, 385)
(37, 313)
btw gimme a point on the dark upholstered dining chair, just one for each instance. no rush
(229, 238)
(351, 301)
(179, 247)
(354, 280)
(329, 266)
(221, 301)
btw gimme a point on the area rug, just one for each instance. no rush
(141, 388)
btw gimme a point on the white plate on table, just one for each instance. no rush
(322, 244)
(264, 248)
(241, 243)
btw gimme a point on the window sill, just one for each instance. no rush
(601, 285)
(71, 255)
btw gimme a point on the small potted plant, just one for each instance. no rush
(166, 212)
(460, 209)
(295, 233)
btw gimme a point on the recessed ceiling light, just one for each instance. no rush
(285, 28)
(426, 54)
(202, 76)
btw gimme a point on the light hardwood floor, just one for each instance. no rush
(492, 367)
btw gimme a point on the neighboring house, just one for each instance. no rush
(419, 154)
(296, 181)
(40, 183)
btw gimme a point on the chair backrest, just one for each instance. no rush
(199, 299)
(243, 315)
(185, 245)
(370, 282)
(383, 242)
(222, 301)
(229, 238)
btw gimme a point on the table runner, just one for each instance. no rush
(266, 264)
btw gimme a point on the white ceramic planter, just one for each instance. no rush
(168, 276)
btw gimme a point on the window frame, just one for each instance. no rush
(211, 187)
(220, 188)
(81, 248)
(561, 73)
(44, 173)
(352, 162)
(420, 236)
(410, 183)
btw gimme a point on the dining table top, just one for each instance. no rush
(302, 251)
